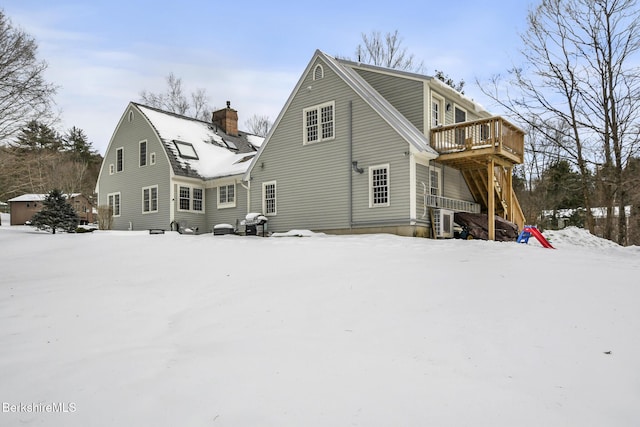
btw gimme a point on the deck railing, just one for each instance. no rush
(494, 132)
(451, 204)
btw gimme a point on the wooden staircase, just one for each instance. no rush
(505, 201)
(485, 151)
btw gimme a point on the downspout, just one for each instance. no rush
(350, 138)
(248, 188)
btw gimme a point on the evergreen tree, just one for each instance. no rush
(36, 135)
(56, 214)
(75, 141)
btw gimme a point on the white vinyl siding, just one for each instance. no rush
(319, 123)
(269, 202)
(150, 199)
(379, 185)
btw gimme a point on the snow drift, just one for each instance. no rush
(379, 330)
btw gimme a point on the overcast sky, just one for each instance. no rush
(102, 54)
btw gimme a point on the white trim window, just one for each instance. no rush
(435, 181)
(113, 200)
(152, 159)
(269, 198)
(112, 169)
(190, 199)
(227, 196)
(119, 159)
(319, 123)
(437, 110)
(379, 186)
(150, 199)
(197, 204)
(143, 153)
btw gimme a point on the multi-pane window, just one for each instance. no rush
(143, 153)
(269, 198)
(311, 125)
(197, 199)
(185, 198)
(319, 123)
(120, 159)
(326, 121)
(227, 195)
(191, 199)
(434, 182)
(113, 200)
(150, 199)
(379, 185)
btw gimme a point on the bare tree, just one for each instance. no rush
(386, 51)
(24, 93)
(258, 125)
(175, 100)
(580, 76)
(105, 217)
(609, 30)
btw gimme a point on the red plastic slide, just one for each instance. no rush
(538, 235)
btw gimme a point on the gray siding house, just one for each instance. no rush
(360, 149)
(170, 172)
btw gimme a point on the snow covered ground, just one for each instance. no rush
(132, 329)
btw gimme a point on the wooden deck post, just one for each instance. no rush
(509, 194)
(491, 201)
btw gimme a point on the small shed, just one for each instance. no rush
(22, 208)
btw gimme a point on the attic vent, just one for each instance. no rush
(318, 72)
(186, 150)
(130, 118)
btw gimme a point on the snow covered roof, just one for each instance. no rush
(201, 149)
(28, 198)
(37, 197)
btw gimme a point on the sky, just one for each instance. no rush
(103, 54)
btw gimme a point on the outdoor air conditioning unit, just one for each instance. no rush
(443, 219)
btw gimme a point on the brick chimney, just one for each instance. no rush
(226, 119)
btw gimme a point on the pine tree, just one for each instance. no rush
(36, 135)
(76, 142)
(56, 214)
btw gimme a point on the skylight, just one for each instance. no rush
(186, 150)
(230, 144)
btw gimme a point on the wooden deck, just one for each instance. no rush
(468, 144)
(485, 151)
